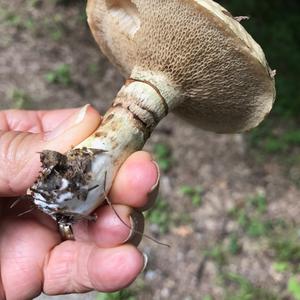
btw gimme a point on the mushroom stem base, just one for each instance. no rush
(72, 185)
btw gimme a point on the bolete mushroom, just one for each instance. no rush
(187, 56)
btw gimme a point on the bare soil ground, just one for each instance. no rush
(221, 207)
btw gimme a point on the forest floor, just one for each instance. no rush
(229, 210)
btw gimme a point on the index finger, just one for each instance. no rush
(33, 121)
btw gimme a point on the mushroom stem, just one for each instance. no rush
(126, 126)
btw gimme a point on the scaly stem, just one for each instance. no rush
(73, 185)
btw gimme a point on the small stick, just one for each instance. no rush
(93, 188)
(123, 222)
(18, 200)
(15, 203)
(26, 212)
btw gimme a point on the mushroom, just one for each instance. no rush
(187, 56)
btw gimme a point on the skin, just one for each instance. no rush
(32, 256)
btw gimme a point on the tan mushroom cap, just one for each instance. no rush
(221, 72)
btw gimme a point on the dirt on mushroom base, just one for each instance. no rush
(221, 243)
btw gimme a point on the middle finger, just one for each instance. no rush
(114, 226)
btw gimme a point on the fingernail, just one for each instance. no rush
(137, 228)
(156, 184)
(73, 120)
(81, 115)
(152, 195)
(132, 229)
(146, 260)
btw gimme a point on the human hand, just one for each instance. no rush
(32, 256)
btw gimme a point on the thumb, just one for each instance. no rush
(19, 157)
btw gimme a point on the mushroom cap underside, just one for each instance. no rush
(221, 72)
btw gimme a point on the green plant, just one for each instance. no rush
(121, 295)
(294, 287)
(257, 227)
(60, 75)
(83, 16)
(251, 216)
(93, 68)
(29, 24)
(218, 254)
(259, 202)
(162, 153)
(281, 267)
(13, 20)
(181, 218)
(56, 34)
(19, 99)
(244, 289)
(271, 139)
(292, 137)
(33, 3)
(194, 193)
(273, 145)
(160, 215)
(234, 246)
(286, 248)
